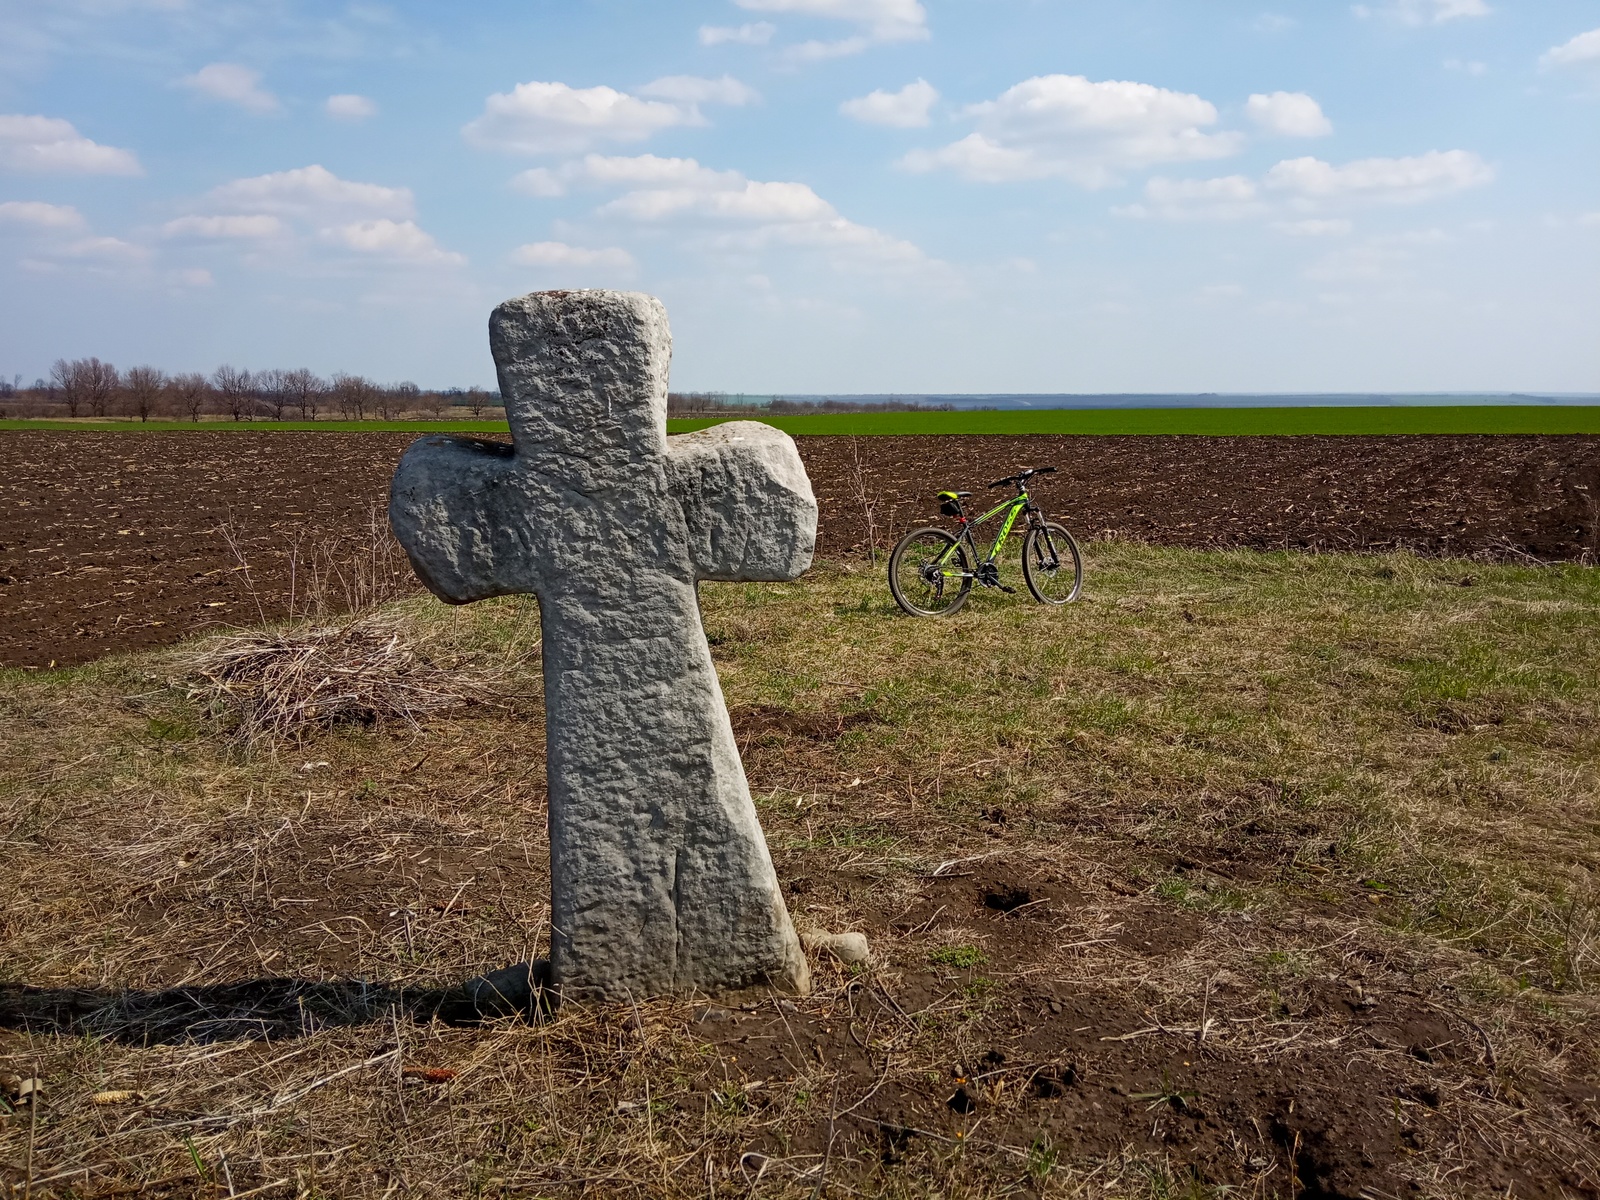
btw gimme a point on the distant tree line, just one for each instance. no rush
(87, 387)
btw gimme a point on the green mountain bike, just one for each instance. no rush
(931, 571)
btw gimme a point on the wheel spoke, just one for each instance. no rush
(1052, 565)
(928, 573)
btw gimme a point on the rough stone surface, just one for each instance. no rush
(849, 948)
(661, 880)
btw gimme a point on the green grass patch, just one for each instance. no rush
(963, 958)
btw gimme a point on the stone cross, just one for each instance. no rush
(660, 878)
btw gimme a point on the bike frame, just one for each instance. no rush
(1017, 506)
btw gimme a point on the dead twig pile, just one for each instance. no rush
(278, 685)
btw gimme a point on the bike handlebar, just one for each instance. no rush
(1022, 476)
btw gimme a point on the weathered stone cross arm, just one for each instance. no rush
(746, 501)
(661, 881)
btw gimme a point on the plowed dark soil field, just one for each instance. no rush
(112, 541)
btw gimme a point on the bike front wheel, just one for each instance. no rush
(929, 575)
(1051, 564)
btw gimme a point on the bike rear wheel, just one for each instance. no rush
(1052, 567)
(929, 574)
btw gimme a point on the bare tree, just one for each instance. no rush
(143, 387)
(85, 383)
(273, 387)
(236, 389)
(476, 399)
(437, 402)
(64, 377)
(101, 383)
(189, 394)
(304, 390)
(398, 399)
(354, 396)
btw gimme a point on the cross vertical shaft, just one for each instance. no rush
(660, 877)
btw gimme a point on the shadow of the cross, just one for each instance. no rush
(261, 1009)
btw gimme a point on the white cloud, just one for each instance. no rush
(394, 241)
(1069, 127)
(49, 145)
(598, 170)
(691, 89)
(233, 84)
(311, 206)
(757, 33)
(39, 215)
(103, 256)
(191, 277)
(1271, 22)
(724, 210)
(820, 51)
(108, 250)
(539, 181)
(750, 200)
(1585, 48)
(1290, 114)
(882, 20)
(350, 107)
(241, 227)
(559, 254)
(1307, 183)
(537, 118)
(1426, 12)
(312, 192)
(1226, 199)
(905, 109)
(1466, 66)
(1591, 219)
(1315, 227)
(1400, 180)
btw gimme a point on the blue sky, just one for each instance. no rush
(829, 195)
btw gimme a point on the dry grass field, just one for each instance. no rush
(1248, 875)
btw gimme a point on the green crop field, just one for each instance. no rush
(1209, 422)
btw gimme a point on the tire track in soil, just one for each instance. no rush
(115, 541)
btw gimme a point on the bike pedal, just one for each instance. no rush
(1008, 591)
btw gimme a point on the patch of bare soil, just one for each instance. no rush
(1498, 497)
(112, 542)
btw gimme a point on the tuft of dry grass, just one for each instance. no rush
(279, 685)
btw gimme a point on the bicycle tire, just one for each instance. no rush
(913, 557)
(1043, 580)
